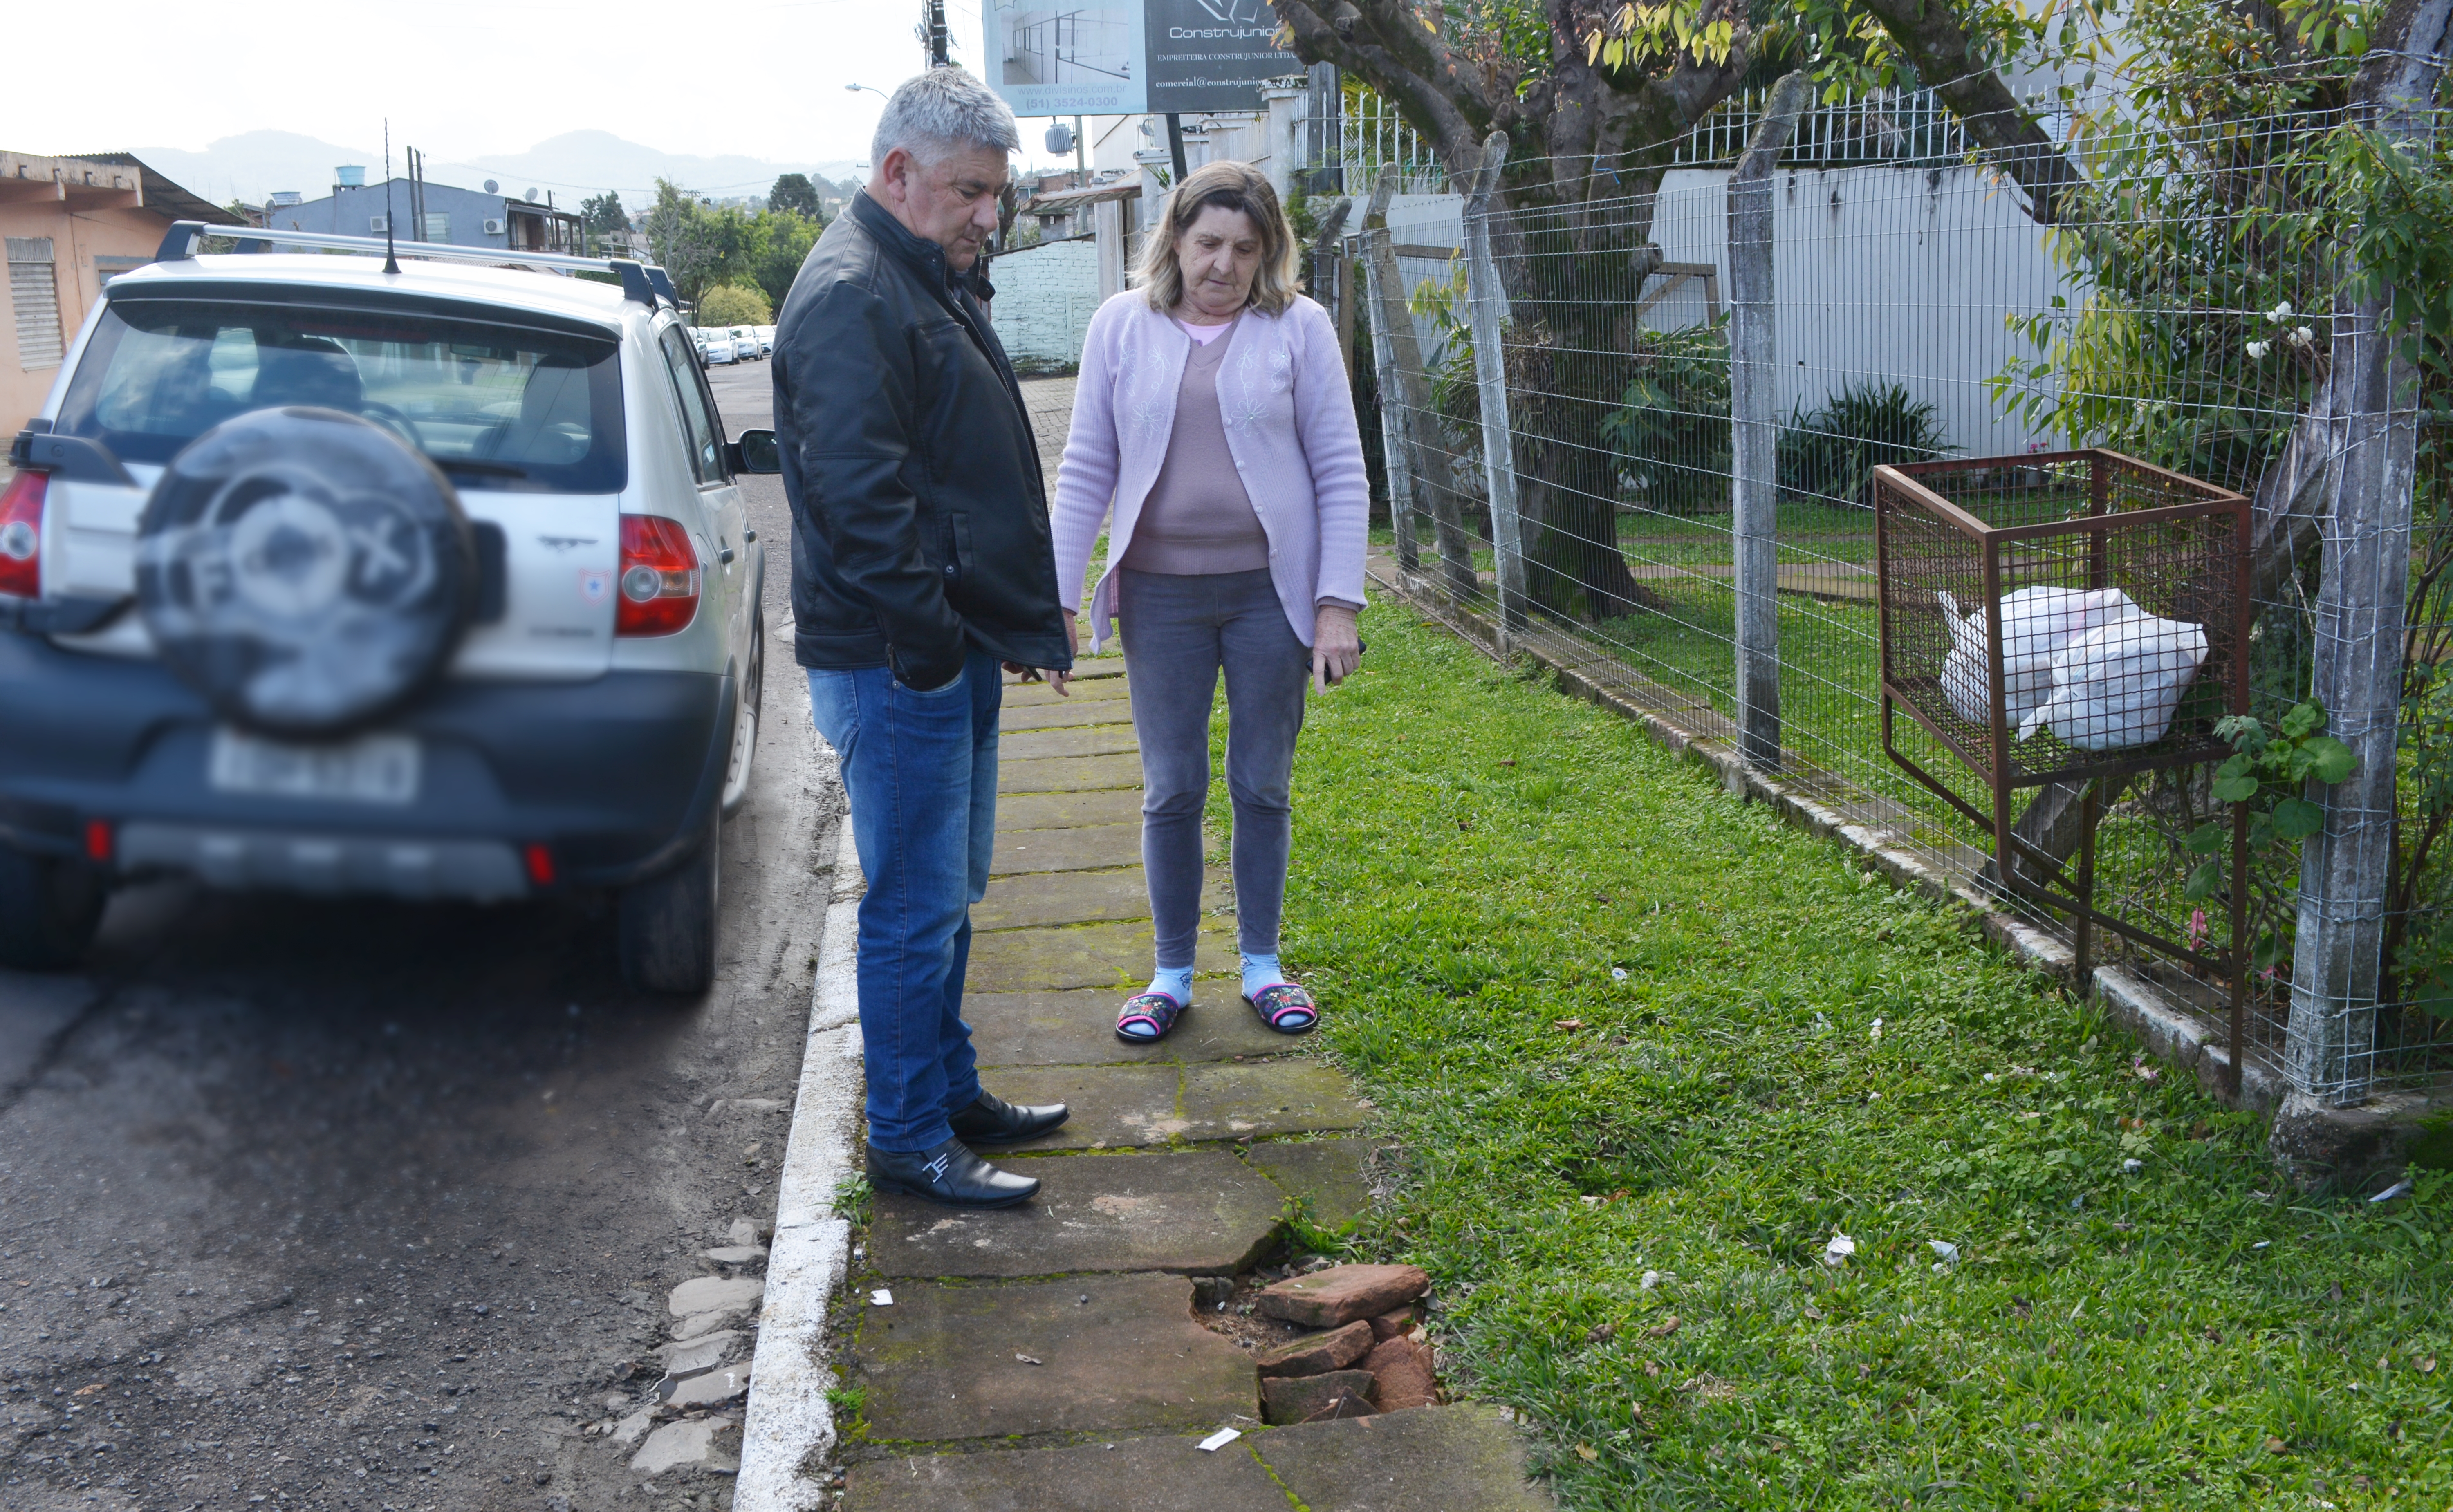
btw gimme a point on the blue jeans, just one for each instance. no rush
(920, 771)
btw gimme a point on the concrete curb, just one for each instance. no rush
(789, 1421)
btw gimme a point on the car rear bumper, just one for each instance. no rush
(615, 778)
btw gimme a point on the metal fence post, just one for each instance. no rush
(1381, 282)
(2346, 869)
(1754, 428)
(1486, 300)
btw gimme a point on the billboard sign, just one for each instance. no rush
(1068, 58)
(1212, 55)
(1127, 57)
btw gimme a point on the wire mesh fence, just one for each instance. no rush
(2186, 303)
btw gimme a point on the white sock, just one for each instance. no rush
(1259, 972)
(1175, 981)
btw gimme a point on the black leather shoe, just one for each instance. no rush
(949, 1174)
(994, 1121)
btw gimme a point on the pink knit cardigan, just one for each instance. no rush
(1289, 421)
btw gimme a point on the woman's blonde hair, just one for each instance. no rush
(1234, 186)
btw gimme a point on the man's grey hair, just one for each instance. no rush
(939, 113)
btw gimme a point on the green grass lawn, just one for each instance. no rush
(1617, 1024)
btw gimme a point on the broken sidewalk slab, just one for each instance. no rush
(1079, 1027)
(1198, 1211)
(1131, 1475)
(1113, 1106)
(1457, 1458)
(1067, 715)
(1087, 848)
(707, 1443)
(1079, 740)
(1066, 774)
(1140, 1106)
(1089, 690)
(1327, 1174)
(941, 1364)
(1038, 901)
(1109, 806)
(1098, 955)
(1225, 1100)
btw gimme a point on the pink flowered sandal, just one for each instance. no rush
(1286, 1008)
(1146, 1018)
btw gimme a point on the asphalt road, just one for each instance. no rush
(367, 1206)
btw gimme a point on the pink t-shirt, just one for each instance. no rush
(1198, 520)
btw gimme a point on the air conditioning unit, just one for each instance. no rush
(493, 228)
(379, 223)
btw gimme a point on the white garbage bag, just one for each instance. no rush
(2036, 625)
(2118, 684)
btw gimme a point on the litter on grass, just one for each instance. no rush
(2132, 1167)
(1837, 1252)
(1219, 1439)
(1618, 973)
(1656, 1278)
(2397, 1190)
(1944, 1250)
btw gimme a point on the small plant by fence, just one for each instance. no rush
(1639, 435)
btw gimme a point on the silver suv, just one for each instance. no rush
(340, 575)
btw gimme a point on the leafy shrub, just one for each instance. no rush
(1671, 429)
(1832, 452)
(733, 305)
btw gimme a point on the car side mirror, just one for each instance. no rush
(756, 452)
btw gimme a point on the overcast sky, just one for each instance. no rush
(467, 78)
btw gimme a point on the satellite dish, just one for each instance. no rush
(531, 194)
(492, 187)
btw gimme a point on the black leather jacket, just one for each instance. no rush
(919, 520)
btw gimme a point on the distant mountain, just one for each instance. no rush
(572, 165)
(588, 162)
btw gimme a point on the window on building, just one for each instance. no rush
(35, 297)
(438, 227)
(106, 268)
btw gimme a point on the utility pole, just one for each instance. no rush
(932, 31)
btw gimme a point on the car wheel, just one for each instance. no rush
(745, 720)
(49, 910)
(667, 924)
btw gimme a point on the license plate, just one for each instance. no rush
(370, 769)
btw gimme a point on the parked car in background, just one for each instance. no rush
(433, 585)
(745, 343)
(765, 339)
(721, 346)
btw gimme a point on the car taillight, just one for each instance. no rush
(659, 578)
(20, 534)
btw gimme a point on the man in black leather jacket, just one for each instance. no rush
(920, 564)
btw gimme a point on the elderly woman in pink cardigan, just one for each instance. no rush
(1214, 417)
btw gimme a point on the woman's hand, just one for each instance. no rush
(1055, 678)
(1335, 645)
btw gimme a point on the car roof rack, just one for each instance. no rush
(644, 283)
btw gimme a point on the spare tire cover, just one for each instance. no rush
(303, 570)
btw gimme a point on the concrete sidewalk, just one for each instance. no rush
(1053, 1358)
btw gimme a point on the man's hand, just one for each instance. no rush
(1056, 680)
(1335, 645)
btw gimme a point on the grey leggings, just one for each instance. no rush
(1178, 632)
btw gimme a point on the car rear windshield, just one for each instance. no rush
(496, 407)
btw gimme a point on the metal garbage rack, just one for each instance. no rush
(1953, 540)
